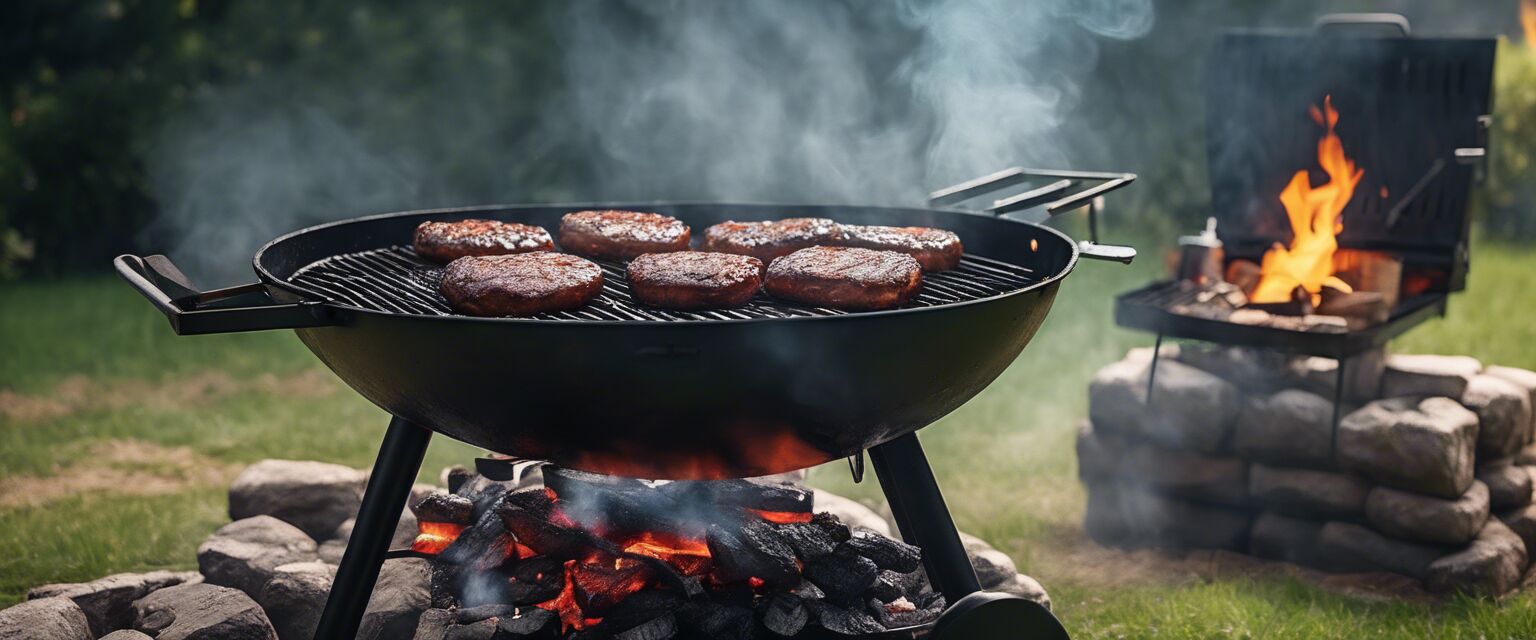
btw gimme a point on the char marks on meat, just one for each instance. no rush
(771, 239)
(934, 249)
(520, 284)
(621, 235)
(848, 278)
(695, 279)
(444, 242)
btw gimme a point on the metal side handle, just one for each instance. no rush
(1334, 20)
(1051, 196)
(192, 311)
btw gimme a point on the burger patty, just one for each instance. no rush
(520, 284)
(935, 249)
(695, 279)
(771, 239)
(849, 278)
(621, 235)
(448, 241)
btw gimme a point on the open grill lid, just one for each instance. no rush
(1412, 114)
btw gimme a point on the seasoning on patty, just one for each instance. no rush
(444, 242)
(695, 279)
(520, 284)
(621, 235)
(845, 278)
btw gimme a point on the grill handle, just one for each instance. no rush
(1392, 20)
(1051, 196)
(192, 311)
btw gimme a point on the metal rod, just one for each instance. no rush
(1157, 352)
(1030, 198)
(1396, 212)
(389, 484)
(922, 516)
(1338, 404)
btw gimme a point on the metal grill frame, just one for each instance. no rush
(394, 279)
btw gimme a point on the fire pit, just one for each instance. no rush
(619, 389)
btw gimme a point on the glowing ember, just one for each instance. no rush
(565, 605)
(433, 537)
(689, 556)
(1314, 213)
(782, 517)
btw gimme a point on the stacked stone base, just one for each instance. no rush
(1430, 476)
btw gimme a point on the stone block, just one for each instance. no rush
(1423, 445)
(1308, 493)
(313, 496)
(1427, 375)
(1289, 427)
(1347, 548)
(1509, 485)
(1490, 566)
(1421, 518)
(1503, 413)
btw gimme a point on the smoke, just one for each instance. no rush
(806, 100)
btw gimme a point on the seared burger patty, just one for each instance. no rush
(935, 249)
(448, 241)
(521, 284)
(845, 278)
(695, 279)
(621, 235)
(768, 240)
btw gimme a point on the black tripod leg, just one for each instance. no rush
(388, 488)
(922, 516)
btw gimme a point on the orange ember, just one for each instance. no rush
(433, 537)
(689, 556)
(565, 605)
(782, 517)
(1315, 216)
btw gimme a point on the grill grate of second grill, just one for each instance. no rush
(395, 280)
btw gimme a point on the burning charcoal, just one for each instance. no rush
(746, 493)
(719, 622)
(886, 552)
(482, 630)
(529, 623)
(475, 614)
(885, 590)
(454, 477)
(484, 492)
(738, 594)
(848, 622)
(755, 550)
(528, 515)
(808, 540)
(842, 574)
(445, 576)
(785, 615)
(613, 503)
(445, 507)
(477, 588)
(808, 590)
(534, 580)
(661, 627)
(693, 587)
(902, 613)
(602, 584)
(482, 546)
(640, 608)
(910, 583)
(832, 526)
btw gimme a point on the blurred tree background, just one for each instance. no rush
(97, 93)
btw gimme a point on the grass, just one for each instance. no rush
(103, 374)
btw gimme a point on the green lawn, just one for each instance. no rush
(116, 437)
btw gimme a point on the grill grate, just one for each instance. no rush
(395, 280)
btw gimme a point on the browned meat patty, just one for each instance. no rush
(845, 278)
(695, 279)
(935, 249)
(521, 284)
(621, 235)
(768, 240)
(448, 241)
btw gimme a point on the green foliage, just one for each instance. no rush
(1509, 199)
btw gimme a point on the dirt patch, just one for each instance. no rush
(1071, 557)
(77, 394)
(131, 467)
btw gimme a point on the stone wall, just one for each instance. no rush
(1431, 476)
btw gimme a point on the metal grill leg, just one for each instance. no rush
(1157, 353)
(1338, 407)
(922, 516)
(388, 487)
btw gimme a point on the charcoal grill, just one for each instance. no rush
(1413, 114)
(620, 388)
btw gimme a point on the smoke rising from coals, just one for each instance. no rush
(810, 101)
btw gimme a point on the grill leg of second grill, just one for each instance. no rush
(389, 485)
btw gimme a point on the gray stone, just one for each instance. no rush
(434, 624)
(1523, 522)
(295, 596)
(1130, 516)
(201, 612)
(403, 592)
(1526, 457)
(1280, 537)
(1523, 378)
(1214, 479)
(243, 554)
(1308, 493)
(1249, 369)
(1421, 518)
(335, 545)
(1503, 413)
(108, 602)
(851, 512)
(45, 619)
(1026, 587)
(993, 568)
(1509, 486)
(1347, 548)
(126, 634)
(1490, 566)
(1427, 375)
(1362, 379)
(1190, 409)
(1098, 455)
(1425, 445)
(1289, 427)
(313, 496)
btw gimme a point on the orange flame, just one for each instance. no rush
(689, 556)
(1528, 21)
(783, 517)
(433, 537)
(1314, 213)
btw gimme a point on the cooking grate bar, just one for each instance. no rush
(395, 280)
